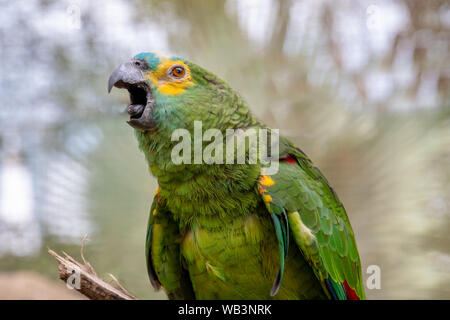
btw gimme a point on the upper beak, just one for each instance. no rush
(125, 74)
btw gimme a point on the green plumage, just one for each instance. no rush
(224, 231)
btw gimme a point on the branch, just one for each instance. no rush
(86, 280)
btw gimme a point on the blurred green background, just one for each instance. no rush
(361, 86)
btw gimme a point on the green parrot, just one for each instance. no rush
(229, 230)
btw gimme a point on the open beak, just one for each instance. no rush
(129, 76)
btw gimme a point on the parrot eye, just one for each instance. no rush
(178, 72)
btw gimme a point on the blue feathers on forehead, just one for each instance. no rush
(152, 59)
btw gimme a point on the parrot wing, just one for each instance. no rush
(301, 201)
(163, 253)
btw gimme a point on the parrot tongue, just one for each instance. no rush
(138, 101)
(135, 110)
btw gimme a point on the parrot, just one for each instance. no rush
(232, 230)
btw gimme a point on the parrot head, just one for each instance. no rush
(169, 92)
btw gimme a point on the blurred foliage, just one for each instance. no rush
(361, 86)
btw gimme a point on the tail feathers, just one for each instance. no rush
(351, 294)
(340, 291)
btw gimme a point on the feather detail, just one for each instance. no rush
(214, 271)
(318, 223)
(150, 269)
(336, 289)
(290, 160)
(351, 294)
(282, 231)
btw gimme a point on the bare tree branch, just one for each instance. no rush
(88, 283)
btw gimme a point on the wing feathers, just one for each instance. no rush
(319, 225)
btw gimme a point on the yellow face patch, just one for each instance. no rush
(168, 81)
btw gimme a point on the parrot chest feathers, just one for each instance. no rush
(240, 259)
(209, 197)
(224, 255)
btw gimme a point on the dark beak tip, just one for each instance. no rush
(115, 77)
(111, 83)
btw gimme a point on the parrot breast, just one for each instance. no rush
(241, 260)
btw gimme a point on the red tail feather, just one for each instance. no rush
(351, 294)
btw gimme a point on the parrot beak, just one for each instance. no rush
(129, 75)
